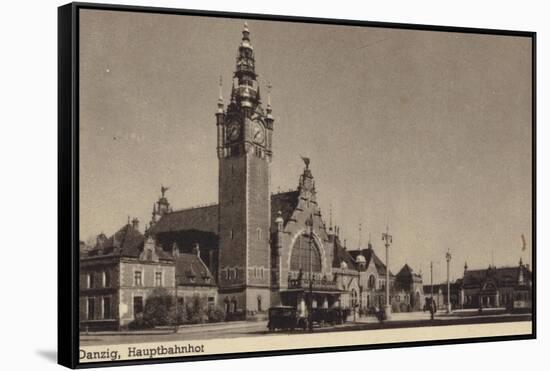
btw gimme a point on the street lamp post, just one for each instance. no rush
(387, 238)
(176, 317)
(448, 258)
(360, 292)
(431, 282)
(309, 224)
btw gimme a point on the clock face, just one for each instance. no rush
(233, 131)
(258, 135)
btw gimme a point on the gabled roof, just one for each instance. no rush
(127, 242)
(407, 271)
(371, 257)
(342, 255)
(504, 276)
(285, 202)
(203, 219)
(191, 271)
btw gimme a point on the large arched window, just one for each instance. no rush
(303, 252)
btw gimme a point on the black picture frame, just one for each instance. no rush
(68, 179)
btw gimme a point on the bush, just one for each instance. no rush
(215, 314)
(159, 309)
(180, 316)
(238, 315)
(138, 323)
(196, 310)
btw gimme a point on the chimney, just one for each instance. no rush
(135, 223)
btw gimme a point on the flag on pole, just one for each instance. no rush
(523, 243)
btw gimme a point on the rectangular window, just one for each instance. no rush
(158, 279)
(91, 308)
(137, 278)
(90, 280)
(105, 279)
(107, 307)
(108, 279)
(138, 305)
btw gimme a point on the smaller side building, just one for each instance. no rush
(119, 273)
(493, 287)
(497, 287)
(194, 279)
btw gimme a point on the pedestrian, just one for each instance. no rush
(432, 310)
(378, 314)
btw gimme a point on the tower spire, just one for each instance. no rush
(246, 32)
(247, 94)
(330, 217)
(220, 96)
(359, 243)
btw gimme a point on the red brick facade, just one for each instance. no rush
(244, 152)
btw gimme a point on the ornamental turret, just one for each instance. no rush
(245, 94)
(306, 185)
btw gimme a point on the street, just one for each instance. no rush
(248, 329)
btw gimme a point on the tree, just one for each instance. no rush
(215, 314)
(159, 308)
(196, 310)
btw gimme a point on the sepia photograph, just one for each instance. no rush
(254, 185)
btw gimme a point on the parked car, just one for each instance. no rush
(285, 318)
(331, 316)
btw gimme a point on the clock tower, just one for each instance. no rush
(244, 152)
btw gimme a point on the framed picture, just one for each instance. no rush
(240, 185)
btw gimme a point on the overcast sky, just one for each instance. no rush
(427, 132)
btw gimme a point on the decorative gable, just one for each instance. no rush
(149, 252)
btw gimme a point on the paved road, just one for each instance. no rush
(259, 328)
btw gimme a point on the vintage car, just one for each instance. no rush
(285, 318)
(330, 316)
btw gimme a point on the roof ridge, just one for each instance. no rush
(284, 192)
(201, 206)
